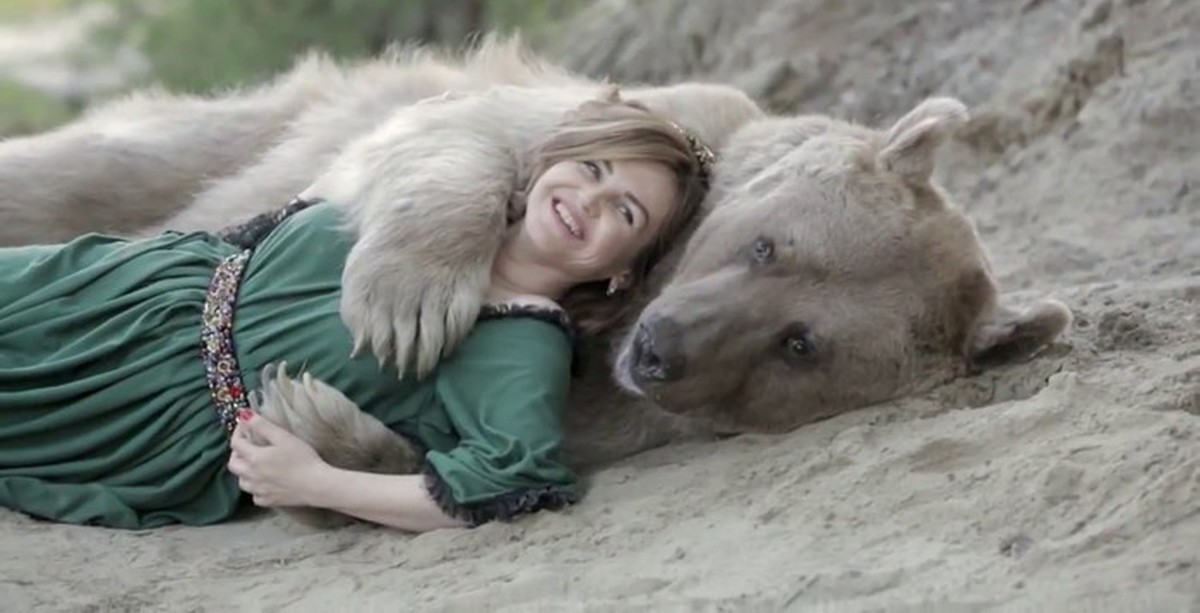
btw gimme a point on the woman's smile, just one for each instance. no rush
(569, 220)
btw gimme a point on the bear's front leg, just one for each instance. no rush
(427, 195)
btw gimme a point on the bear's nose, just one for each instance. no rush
(656, 355)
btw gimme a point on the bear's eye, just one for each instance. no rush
(796, 344)
(763, 250)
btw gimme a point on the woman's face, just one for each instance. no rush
(593, 217)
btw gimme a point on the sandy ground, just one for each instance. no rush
(1067, 483)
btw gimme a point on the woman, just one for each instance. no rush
(106, 410)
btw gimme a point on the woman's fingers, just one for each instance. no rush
(255, 426)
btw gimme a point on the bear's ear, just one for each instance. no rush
(909, 146)
(1005, 335)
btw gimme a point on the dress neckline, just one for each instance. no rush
(558, 317)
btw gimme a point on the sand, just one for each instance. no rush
(1070, 482)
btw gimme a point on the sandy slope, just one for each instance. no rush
(1068, 483)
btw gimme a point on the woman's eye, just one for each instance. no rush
(626, 212)
(593, 169)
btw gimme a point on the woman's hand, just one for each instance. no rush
(279, 472)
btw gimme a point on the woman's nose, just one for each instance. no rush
(594, 200)
(591, 203)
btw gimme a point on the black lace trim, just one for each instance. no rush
(249, 234)
(504, 507)
(549, 315)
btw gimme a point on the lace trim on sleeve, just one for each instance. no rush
(504, 507)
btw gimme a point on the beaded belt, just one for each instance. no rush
(221, 370)
(216, 340)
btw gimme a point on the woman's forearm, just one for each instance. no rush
(399, 501)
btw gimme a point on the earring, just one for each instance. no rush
(612, 287)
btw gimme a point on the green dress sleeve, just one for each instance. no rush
(504, 391)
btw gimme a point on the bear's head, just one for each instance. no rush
(829, 272)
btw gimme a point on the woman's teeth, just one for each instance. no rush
(567, 220)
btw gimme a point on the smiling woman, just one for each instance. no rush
(611, 178)
(586, 217)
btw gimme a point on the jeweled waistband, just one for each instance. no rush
(221, 369)
(225, 384)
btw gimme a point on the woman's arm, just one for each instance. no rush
(285, 471)
(399, 501)
(503, 394)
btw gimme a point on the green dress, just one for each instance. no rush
(106, 416)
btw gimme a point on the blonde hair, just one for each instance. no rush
(613, 129)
